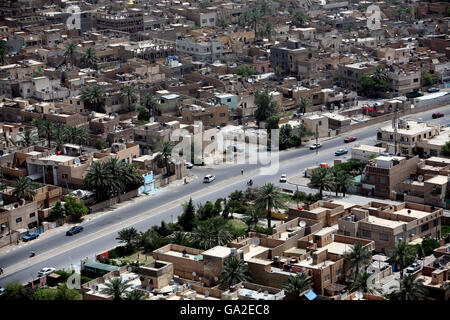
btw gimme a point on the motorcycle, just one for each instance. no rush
(250, 183)
(32, 254)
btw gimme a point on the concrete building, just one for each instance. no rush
(365, 152)
(201, 49)
(317, 122)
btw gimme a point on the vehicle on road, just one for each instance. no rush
(45, 271)
(349, 139)
(208, 178)
(74, 230)
(431, 90)
(2, 290)
(189, 165)
(283, 178)
(30, 236)
(413, 268)
(414, 94)
(340, 152)
(315, 146)
(437, 115)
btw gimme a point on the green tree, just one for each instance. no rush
(45, 129)
(343, 181)
(100, 144)
(70, 52)
(359, 256)
(150, 240)
(205, 4)
(4, 51)
(89, 58)
(27, 138)
(144, 114)
(116, 288)
(255, 18)
(268, 30)
(75, 207)
(58, 212)
(164, 155)
(187, 219)
(135, 295)
(213, 232)
(206, 211)
(129, 236)
(245, 71)
(269, 197)
(63, 293)
(299, 18)
(130, 94)
(93, 98)
(44, 294)
(265, 106)
(150, 102)
(410, 289)
(303, 105)
(298, 284)
(321, 179)
(428, 79)
(223, 24)
(403, 255)
(24, 188)
(301, 132)
(272, 123)
(361, 284)
(75, 135)
(234, 271)
(252, 217)
(15, 291)
(445, 149)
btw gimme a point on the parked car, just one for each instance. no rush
(283, 178)
(45, 271)
(413, 268)
(349, 139)
(189, 165)
(74, 230)
(315, 146)
(208, 178)
(30, 236)
(437, 115)
(431, 90)
(340, 152)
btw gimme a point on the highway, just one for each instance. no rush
(60, 251)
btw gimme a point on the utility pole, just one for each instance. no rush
(395, 126)
(317, 138)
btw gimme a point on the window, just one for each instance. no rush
(435, 222)
(424, 227)
(320, 123)
(32, 214)
(229, 100)
(412, 232)
(416, 80)
(338, 272)
(18, 220)
(222, 114)
(382, 180)
(327, 277)
(366, 233)
(384, 236)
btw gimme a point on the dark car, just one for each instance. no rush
(30, 236)
(349, 139)
(341, 152)
(437, 115)
(431, 90)
(74, 230)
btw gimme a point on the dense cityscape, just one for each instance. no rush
(224, 150)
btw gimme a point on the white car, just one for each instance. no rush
(413, 268)
(283, 178)
(189, 165)
(46, 271)
(208, 178)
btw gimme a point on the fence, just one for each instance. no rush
(112, 201)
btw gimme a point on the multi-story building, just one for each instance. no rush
(293, 59)
(389, 224)
(130, 20)
(350, 74)
(201, 49)
(151, 135)
(210, 116)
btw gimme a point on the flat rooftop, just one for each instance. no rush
(218, 251)
(338, 247)
(57, 158)
(384, 222)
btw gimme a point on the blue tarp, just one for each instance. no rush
(310, 295)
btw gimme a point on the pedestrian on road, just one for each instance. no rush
(242, 172)
(1, 270)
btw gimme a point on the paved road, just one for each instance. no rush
(99, 234)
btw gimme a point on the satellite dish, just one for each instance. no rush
(194, 274)
(79, 193)
(77, 161)
(152, 119)
(302, 224)
(130, 269)
(420, 178)
(359, 294)
(216, 279)
(256, 241)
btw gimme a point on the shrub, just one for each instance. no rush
(263, 230)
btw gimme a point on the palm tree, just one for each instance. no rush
(135, 295)
(252, 217)
(24, 188)
(76, 134)
(116, 288)
(361, 284)
(303, 105)
(244, 19)
(4, 51)
(410, 289)
(164, 155)
(343, 181)
(115, 169)
(128, 236)
(90, 58)
(211, 233)
(234, 271)
(359, 256)
(131, 177)
(97, 179)
(181, 238)
(299, 18)
(27, 138)
(255, 18)
(269, 197)
(45, 129)
(150, 102)
(93, 98)
(403, 255)
(298, 284)
(130, 94)
(268, 30)
(379, 74)
(70, 52)
(321, 179)
(65, 294)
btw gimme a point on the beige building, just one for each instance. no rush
(317, 122)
